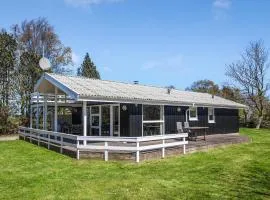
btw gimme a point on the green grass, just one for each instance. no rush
(236, 172)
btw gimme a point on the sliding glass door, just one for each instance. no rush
(95, 120)
(105, 120)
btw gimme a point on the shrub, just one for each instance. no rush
(8, 124)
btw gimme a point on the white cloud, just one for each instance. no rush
(222, 4)
(220, 9)
(86, 3)
(169, 63)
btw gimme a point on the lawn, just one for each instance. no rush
(239, 171)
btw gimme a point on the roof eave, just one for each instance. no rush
(141, 101)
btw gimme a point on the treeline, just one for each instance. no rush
(248, 84)
(20, 51)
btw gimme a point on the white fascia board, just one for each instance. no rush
(153, 102)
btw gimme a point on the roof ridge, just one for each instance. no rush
(112, 81)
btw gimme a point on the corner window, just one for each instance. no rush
(211, 115)
(193, 114)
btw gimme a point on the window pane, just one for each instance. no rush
(152, 129)
(105, 118)
(211, 114)
(95, 110)
(151, 112)
(95, 120)
(193, 112)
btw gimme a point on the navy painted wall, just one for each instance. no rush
(226, 120)
(131, 120)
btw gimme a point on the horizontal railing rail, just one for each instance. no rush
(105, 144)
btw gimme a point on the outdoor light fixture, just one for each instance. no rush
(178, 109)
(124, 107)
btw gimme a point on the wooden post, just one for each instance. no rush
(184, 146)
(163, 148)
(55, 109)
(61, 148)
(78, 151)
(78, 154)
(45, 107)
(38, 137)
(111, 120)
(49, 138)
(106, 154)
(84, 121)
(37, 116)
(138, 152)
(31, 116)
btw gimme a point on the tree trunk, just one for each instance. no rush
(259, 122)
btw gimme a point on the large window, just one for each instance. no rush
(211, 115)
(193, 114)
(153, 120)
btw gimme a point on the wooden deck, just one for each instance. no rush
(212, 141)
(126, 148)
(216, 140)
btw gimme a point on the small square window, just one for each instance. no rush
(211, 115)
(193, 114)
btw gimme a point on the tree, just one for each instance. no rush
(27, 73)
(205, 86)
(249, 74)
(37, 36)
(8, 47)
(88, 68)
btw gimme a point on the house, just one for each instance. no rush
(117, 111)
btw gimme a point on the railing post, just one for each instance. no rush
(61, 147)
(24, 134)
(38, 138)
(78, 151)
(138, 152)
(163, 148)
(49, 138)
(184, 146)
(106, 155)
(30, 136)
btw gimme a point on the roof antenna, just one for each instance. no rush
(169, 89)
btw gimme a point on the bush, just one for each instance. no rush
(8, 124)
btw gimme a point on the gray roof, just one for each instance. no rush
(92, 89)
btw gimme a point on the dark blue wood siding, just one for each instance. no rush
(226, 120)
(131, 120)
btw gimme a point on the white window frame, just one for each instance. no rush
(193, 118)
(95, 115)
(100, 118)
(214, 117)
(161, 121)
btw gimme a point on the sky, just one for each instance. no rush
(155, 42)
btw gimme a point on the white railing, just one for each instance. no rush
(40, 98)
(106, 144)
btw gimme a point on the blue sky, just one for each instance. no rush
(157, 42)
